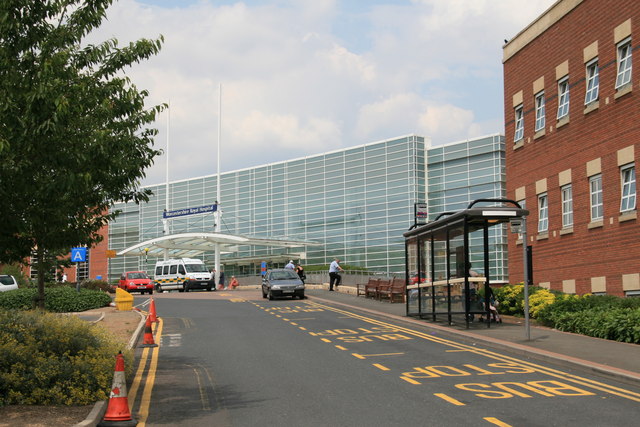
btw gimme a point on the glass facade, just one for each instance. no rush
(461, 172)
(356, 202)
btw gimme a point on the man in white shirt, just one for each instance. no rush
(334, 274)
(290, 266)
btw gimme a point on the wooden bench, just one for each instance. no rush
(397, 290)
(371, 288)
(362, 289)
(384, 289)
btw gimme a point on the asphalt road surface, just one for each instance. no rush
(236, 359)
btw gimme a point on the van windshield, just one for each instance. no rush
(196, 268)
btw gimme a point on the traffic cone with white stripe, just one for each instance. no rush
(118, 413)
(148, 335)
(152, 311)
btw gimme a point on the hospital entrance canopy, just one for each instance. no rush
(185, 245)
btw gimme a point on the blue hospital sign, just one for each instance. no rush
(78, 254)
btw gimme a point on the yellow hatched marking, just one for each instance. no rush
(313, 334)
(410, 380)
(496, 422)
(302, 328)
(339, 347)
(381, 367)
(293, 323)
(449, 399)
(326, 340)
(237, 300)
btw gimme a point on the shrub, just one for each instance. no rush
(59, 299)
(538, 300)
(96, 285)
(511, 299)
(48, 359)
(621, 324)
(15, 271)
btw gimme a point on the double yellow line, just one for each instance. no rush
(145, 400)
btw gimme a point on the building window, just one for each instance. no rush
(628, 199)
(563, 97)
(624, 63)
(595, 189)
(539, 111)
(543, 213)
(567, 206)
(593, 82)
(519, 133)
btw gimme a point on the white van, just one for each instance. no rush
(183, 274)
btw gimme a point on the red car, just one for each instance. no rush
(136, 281)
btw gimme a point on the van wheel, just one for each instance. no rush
(185, 286)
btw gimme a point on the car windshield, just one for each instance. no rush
(196, 268)
(138, 275)
(284, 275)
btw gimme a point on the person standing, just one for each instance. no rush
(300, 271)
(290, 266)
(334, 274)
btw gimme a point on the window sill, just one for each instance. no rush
(593, 106)
(518, 144)
(627, 216)
(519, 242)
(542, 236)
(538, 134)
(568, 230)
(562, 121)
(623, 90)
(595, 224)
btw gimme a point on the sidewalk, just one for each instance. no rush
(611, 358)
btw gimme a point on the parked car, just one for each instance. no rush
(136, 281)
(282, 283)
(7, 283)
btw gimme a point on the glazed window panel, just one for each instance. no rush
(519, 128)
(543, 213)
(628, 178)
(563, 97)
(593, 82)
(567, 206)
(595, 190)
(624, 63)
(540, 111)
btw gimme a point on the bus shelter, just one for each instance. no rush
(443, 280)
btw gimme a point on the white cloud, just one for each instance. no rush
(296, 82)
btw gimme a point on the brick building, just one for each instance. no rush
(572, 127)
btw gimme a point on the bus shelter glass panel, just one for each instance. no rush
(439, 288)
(414, 269)
(457, 269)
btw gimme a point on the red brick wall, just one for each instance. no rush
(613, 249)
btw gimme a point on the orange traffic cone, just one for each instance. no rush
(152, 311)
(118, 413)
(148, 335)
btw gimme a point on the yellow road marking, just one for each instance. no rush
(237, 300)
(203, 392)
(449, 399)
(138, 378)
(293, 323)
(496, 422)
(381, 367)
(364, 356)
(145, 401)
(339, 347)
(410, 380)
(302, 328)
(326, 340)
(627, 394)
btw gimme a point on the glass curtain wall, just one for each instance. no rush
(462, 172)
(357, 202)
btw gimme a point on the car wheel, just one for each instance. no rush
(270, 295)
(264, 294)
(208, 288)
(150, 291)
(301, 296)
(185, 286)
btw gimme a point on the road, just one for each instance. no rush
(235, 359)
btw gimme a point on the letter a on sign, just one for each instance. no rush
(78, 254)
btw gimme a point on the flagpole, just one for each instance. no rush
(218, 215)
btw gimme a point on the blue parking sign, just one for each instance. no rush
(78, 254)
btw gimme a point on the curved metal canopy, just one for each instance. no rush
(184, 245)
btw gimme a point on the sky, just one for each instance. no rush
(303, 77)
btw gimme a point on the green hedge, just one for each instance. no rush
(62, 299)
(607, 317)
(48, 359)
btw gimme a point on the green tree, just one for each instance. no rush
(74, 133)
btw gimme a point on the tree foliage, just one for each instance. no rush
(74, 130)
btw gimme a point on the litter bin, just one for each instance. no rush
(124, 300)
